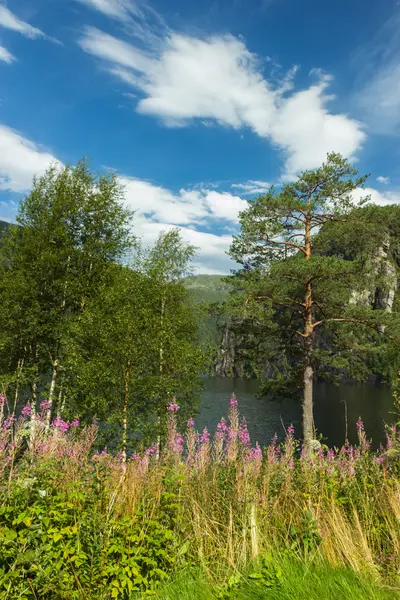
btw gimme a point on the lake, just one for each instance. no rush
(265, 417)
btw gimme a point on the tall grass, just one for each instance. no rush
(300, 581)
(331, 517)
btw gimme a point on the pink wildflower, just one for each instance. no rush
(256, 453)
(243, 433)
(233, 401)
(151, 451)
(2, 400)
(173, 407)
(45, 405)
(60, 424)
(74, 423)
(190, 423)
(26, 411)
(290, 429)
(360, 424)
(205, 436)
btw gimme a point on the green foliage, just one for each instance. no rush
(269, 575)
(89, 321)
(72, 227)
(60, 545)
(137, 345)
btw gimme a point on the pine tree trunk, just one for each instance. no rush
(308, 375)
(52, 391)
(308, 418)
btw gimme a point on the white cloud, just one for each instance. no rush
(118, 53)
(382, 179)
(11, 21)
(5, 55)
(187, 207)
(211, 248)
(20, 160)
(377, 197)
(117, 9)
(157, 208)
(252, 187)
(218, 79)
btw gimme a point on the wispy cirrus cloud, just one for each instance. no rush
(217, 79)
(6, 56)
(377, 96)
(117, 9)
(252, 187)
(9, 20)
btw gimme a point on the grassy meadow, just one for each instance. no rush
(203, 516)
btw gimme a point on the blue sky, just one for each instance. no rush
(198, 104)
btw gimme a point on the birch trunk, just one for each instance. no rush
(52, 391)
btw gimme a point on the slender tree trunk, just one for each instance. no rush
(308, 375)
(20, 366)
(52, 391)
(32, 424)
(161, 370)
(61, 400)
(125, 411)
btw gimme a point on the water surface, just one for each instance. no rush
(374, 404)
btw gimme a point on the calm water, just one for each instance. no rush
(264, 417)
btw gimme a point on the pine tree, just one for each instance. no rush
(300, 289)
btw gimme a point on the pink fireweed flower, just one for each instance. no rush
(74, 423)
(256, 453)
(233, 401)
(177, 444)
(60, 424)
(205, 436)
(190, 423)
(45, 405)
(151, 451)
(2, 400)
(222, 426)
(173, 407)
(7, 423)
(360, 424)
(243, 433)
(290, 430)
(26, 411)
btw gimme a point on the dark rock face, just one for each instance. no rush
(229, 364)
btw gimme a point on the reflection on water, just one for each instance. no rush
(265, 417)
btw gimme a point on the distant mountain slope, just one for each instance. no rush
(207, 288)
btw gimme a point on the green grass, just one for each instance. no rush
(298, 581)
